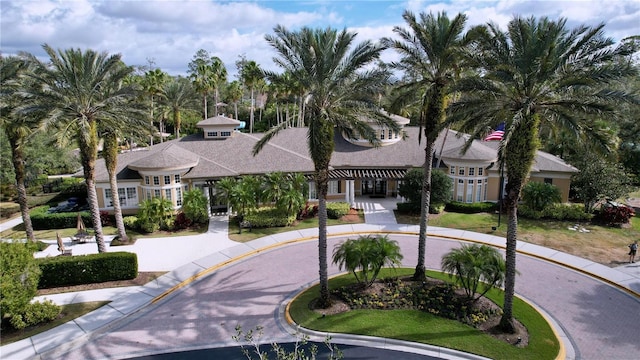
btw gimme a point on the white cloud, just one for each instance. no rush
(170, 32)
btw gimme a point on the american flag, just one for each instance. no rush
(496, 134)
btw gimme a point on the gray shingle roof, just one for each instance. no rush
(287, 152)
(168, 157)
(218, 120)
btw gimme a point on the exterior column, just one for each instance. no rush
(352, 192)
(205, 189)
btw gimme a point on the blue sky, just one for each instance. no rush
(168, 33)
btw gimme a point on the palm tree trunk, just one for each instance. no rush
(235, 108)
(506, 322)
(88, 155)
(322, 182)
(204, 101)
(18, 165)
(111, 162)
(419, 273)
(251, 116)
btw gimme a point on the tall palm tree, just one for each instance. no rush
(234, 94)
(81, 95)
(251, 74)
(132, 119)
(537, 72)
(153, 82)
(340, 93)
(218, 74)
(201, 79)
(179, 97)
(431, 50)
(17, 126)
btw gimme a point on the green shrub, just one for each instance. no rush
(539, 195)
(336, 210)
(19, 275)
(408, 208)
(34, 314)
(87, 269)
(42, 220)
(470, 208)
(366, 255)
(570, 212)
(560, 212)
(130, 222)
(147, 226)
(527, 212)
(269, 217)
(436, 208)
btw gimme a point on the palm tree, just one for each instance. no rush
(340, 94)
(179, 97)
(218, 77)
(153, 82)
(81, 95)
(477, 267)
(537, 72)
(368, 254)
(251, 74)
(431, 50)
(234, 94)
(133, 119)
(201, 79)
(16, 126)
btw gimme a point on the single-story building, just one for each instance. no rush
(357, 169)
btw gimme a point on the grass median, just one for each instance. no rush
(423, 327)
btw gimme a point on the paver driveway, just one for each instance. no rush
(602, 321)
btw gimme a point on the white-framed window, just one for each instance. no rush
(395, 133)
(148, 194)
(485, 189)
(212, 133)
(127, 196)
(390, 135)
(156, 180)
(480, 171)
(461, 170)
(156, 192)
(460, 190)
(334, 187)
(225, 133)
(382, 134)
(452, 170)
(470, 191)
(178, 197)
(176, 178)
(167, 180)
(479, 191)
(167, 194)
(472, 171)
(313, 192)
(146, 180)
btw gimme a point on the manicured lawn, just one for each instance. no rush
(604, 245)
(69, 312)
(418, 326)
(246, 235)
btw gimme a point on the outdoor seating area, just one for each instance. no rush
(82, 235)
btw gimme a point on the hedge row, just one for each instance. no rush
(414, 208)
(470, 208)
(42, 220)
(569, 212)
(269, 217)
(336, 210)
(87, 269)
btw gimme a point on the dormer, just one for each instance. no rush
(384, 134)
(218, 127)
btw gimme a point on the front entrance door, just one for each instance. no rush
(376, 187)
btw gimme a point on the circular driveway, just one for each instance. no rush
(601, 321)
